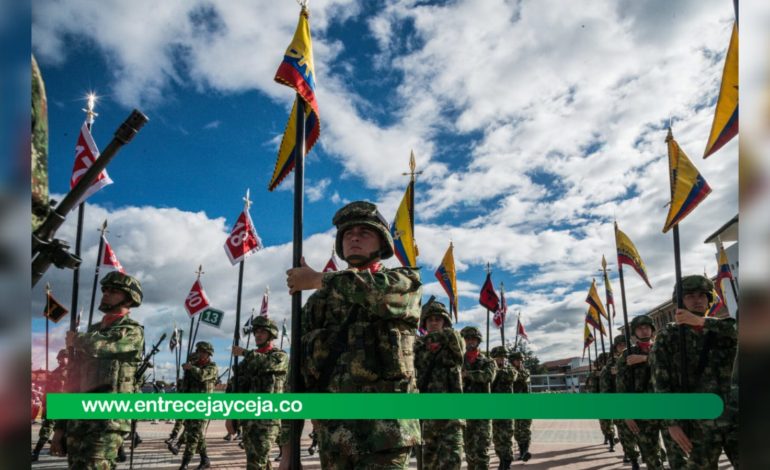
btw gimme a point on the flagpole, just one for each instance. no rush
(599, 315)
(732, 279)
(626, 331)
(283, 332)
(489, 271)
(237, 332)
(412, 178)
(502, 317)
(589, 356)
(516, 338)
(251, 320)
(99, 255)
(607, 300)
(47, 312)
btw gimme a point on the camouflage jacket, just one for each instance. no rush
(264, 372)
(592, 382)
(478, 377)
(57, 380)
(504, 378)
(636, 378)
(710, 357)
(358, 336)
(438, 361)
(200, 379)
(521, 382)
(608, 377)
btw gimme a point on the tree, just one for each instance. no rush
(531, 361)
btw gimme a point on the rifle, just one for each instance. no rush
(139, 375)
(45, 248)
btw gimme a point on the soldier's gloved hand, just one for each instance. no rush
(239, 351)
(636, 359)
(303, 278)
(686, 317)
(632, 426)
(186, 366)
(679, 436)
(57, 443)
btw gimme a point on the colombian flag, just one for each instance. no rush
(725, 124)
(401, 230)
(588, 338)
(627, 254)
(688, 188)
(447, 277)
(592, 318)
(594, 301)
(297, 71)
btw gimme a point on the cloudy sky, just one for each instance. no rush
(535, 125)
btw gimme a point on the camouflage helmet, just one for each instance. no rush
(265, 323)
(498, 351)
(434, 308)
(641, 320)
(601, 358)
(516, 356)
(128, 284)
(471, 332)
(362, 213)
(204, 346)
(618, 340)
(696, 283)
(62, 353)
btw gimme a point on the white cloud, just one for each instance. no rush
(315, 191)
(213, 124)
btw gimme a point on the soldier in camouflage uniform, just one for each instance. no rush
(55, 383)
(40, 205)
(478, 374)
(358, 335)
(634, 376)
(608, 384)
(438, 360)
(199, 377)
(522, 431)
(711, 346)
(592, 385)
(502, 429)
(105, 361)
(263, 370)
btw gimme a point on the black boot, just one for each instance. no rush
(612, 445)
(228, 437)
(634, 464)
(174, 448)
(121, 454)
(505, 464)
(137, 441)
(185, 461)
(205, 462)
(171, 438)
(38, 447)
(525, 455)
(606, 439)
(625, 458)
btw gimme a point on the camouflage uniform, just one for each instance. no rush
(106, 358)
(55, 383)
(263, 371)
(438, 359)
(478, 374)
(710, 356)
(522, 432)
(637, 379)
(358, 337)
(502, 429)
(200, 378)
(608, 384)
(39, 155)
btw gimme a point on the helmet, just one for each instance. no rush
(265, 323)
(62, 353)
(601, 358)
(639, 321)
(128, 284)
(498, 351)
(696, 283)
(516, 356)
(471, 332)
(204, 346)
(618, 340)
(435, 308)
(363, 213)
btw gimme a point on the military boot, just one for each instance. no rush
(524, 454)
(606, 439)
(38, 447)
(634, 464)
(121, 454)
(612, 445)
(171, 438)
(505, 464)
(185, 461)
(205, 462)
(173, 447)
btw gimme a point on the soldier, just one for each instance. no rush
(438, 360)
(264, 370)
(711, 346)
(55, 383)
(606, 425)
(521, 427)
(200, 377)
(106, 358)
(502, 429)
(634, 376)
(608, 384)
(358, 336)
(478, 374)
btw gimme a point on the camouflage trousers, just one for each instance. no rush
(258, 439)
(607, 428)
(648, 440)
(194, 437)
(94, 450)
(177, 426)
(392, 459)
(522, 432)
(442, 444)
(708, 439)
(502, 438)
(675, 456)
(476, 437)
(46, 430)
(627, 440)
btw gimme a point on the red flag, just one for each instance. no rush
(522, 333)
(86, 154)
(243, 239)
(263, 308)
(109, 258)
(196, 300)
(331, 266)
(488, 297)
(499, 317)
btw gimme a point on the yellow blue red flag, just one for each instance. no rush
(588, 338)
(688, 188)
(297, 71)
(627, 254)
(401, 230)
(717, 304)
(725, 124)
(592, 318)
(594, 301)
(608, 287)
(447, 277)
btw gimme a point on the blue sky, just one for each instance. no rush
(535, 123)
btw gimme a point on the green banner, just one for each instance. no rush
(383, 406)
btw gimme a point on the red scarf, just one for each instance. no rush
(265, 348)
(201, 362)
(471, 356)
(434, 346)
(110, 318)
(644, 346)
(373, 267)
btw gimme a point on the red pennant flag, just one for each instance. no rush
(196, 300)
(109, 258)
(263, 308)
(499, 317)
(331, 266)
(522, 333)
(488, 297)
(243, 239)
(86, 154)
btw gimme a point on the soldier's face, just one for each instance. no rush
(620, 348)
(643, 332)
(360, 240)
(696, 302)
(516, 363)
(203, 356)
(500, 361)
(434, 323)
(112, 299)
(261, 336)
(471, 343)
(63, 361)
